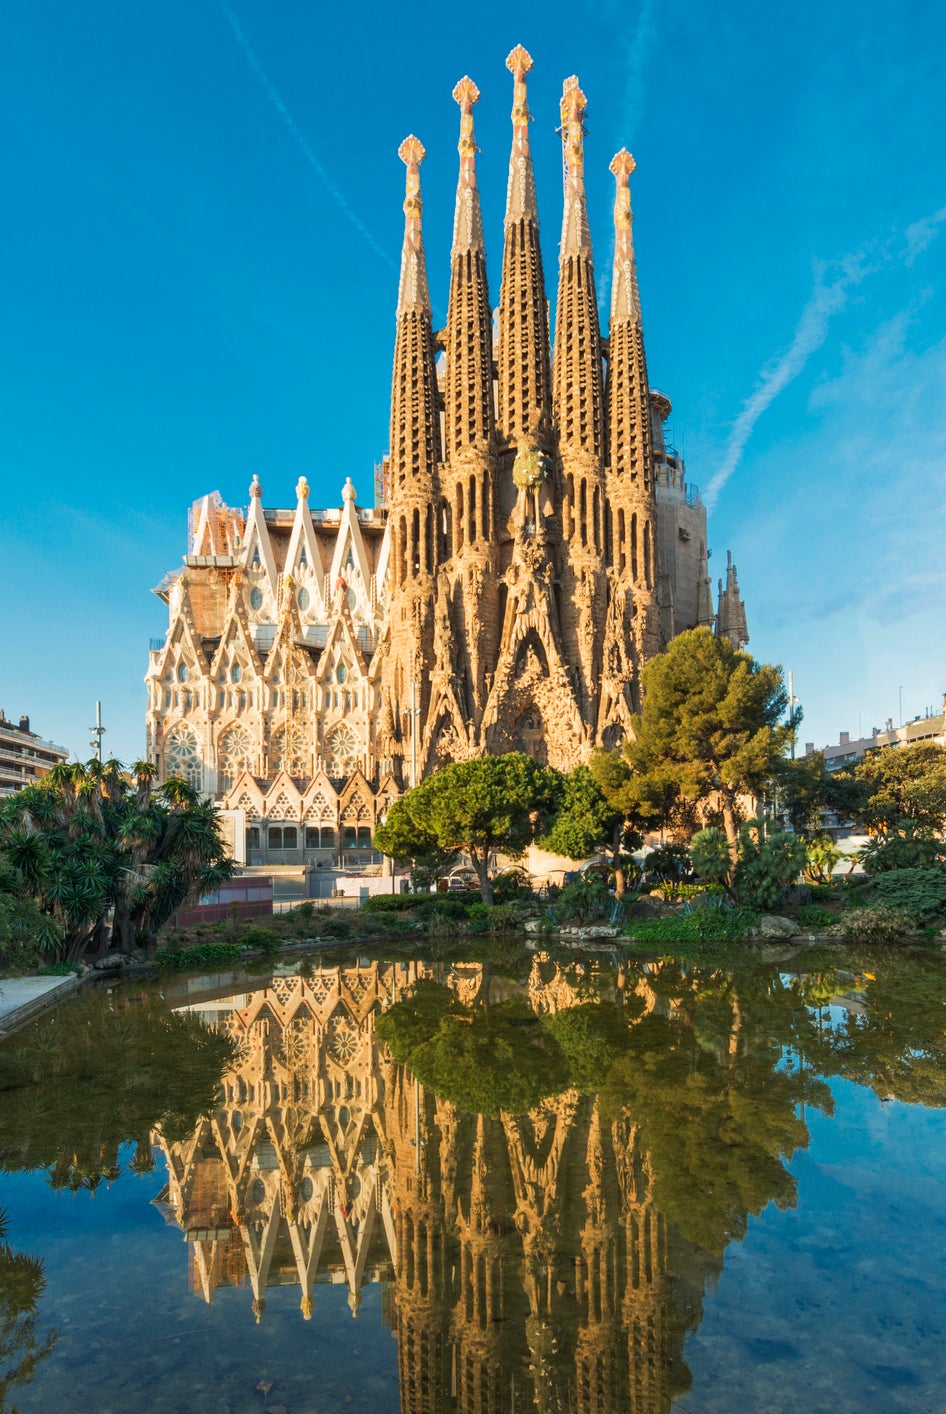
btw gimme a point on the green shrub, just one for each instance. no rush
(264, 940)
(512, 888)
(687, 893)
(712, 859)
(393, 903)
(699, 923)
(912, 847)
(766, 866)
(919, 892)
(503, 918)
(583, 901)
(877, 924)
(333, 925)
(670, 861)
(57, 969)
(821, 855)
(815, 917)
(199, 955)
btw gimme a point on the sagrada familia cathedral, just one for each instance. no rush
(534, 544)
(523, 1260)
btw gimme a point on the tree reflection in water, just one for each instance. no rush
(74, 1087)
(22, 1347)
(542, 1176)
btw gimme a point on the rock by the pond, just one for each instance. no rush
(773, 926)
(109, 963)
(643, 908)
(598, 930)
(532, 925)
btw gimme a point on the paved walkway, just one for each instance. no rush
(22, 998)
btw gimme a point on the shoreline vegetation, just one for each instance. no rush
(95, 860)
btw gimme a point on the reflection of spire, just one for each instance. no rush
(525, 1251)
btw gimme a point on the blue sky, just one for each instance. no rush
(202, 230)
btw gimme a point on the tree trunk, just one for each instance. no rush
(616, 854)
(729, 825)
(481, 865)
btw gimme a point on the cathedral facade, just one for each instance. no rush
(534, 544)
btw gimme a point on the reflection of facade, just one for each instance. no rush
(535, 543)
(525, 1264)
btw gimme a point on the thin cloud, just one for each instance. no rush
(922, 234)
(825, 301)
(637, 61)
(298, 137)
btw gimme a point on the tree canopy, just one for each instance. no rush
(494, 804)
(902, 784)
(710, 727)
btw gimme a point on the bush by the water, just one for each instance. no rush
(583, 901)
(196, 956)
(264, 940)
(698, 923)
(877, 923)
(921, 893)
(813, 916)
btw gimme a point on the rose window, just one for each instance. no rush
(343, 1038)
(182, 756)
(235, 751)
(342, 752)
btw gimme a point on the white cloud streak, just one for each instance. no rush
(922, 234)
(637, 58)
(297, 135)
(826, 300)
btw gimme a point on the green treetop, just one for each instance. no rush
(711, 723)
(495, 804)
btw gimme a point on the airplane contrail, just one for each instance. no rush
(298, 137)
(826, 300)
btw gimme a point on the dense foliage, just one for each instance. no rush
(710, 728)
(495, 804)
(94, 843)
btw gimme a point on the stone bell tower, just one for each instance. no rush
(407, 650)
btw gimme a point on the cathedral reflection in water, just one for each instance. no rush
(523, 1262)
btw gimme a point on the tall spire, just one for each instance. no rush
(576, 237)
(625, 296)
(412, 291)
(520, 193)
(469, 372)
(578, 395)
(523, 412)
(631, 493)
(631, 432)
(415, 421)
(468, 220)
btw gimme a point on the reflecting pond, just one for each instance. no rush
(599, 1185)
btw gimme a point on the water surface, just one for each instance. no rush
(592, 1186)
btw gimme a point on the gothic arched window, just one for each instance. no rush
(288, 749)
